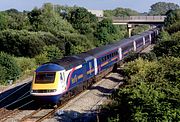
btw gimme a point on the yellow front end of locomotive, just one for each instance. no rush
(45, 81)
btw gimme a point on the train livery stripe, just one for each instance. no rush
(104, 63)
(80, 76)
(69, 78)
(114, 58)
(90, 71)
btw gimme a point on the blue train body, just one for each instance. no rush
(55, 79)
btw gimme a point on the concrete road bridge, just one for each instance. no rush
(131, 21)
(138, 20)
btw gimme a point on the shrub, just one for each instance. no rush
(9, 64)
(26, 64)
(2, 74)
(53, 52)
(152, 93)
(41, 58)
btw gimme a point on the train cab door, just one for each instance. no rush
(62, 83)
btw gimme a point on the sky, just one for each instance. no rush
(138, 5)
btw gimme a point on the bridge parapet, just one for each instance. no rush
(129, 19)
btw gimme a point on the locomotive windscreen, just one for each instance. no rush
(45, 77)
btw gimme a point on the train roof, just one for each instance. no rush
(69, 62)
(147, 32)
(136, 37)
(85, 56)
(122, 43)
(49, 67)
(100, 50)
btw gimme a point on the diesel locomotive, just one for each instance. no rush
(53, 81)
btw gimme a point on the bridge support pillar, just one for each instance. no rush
(129, 28)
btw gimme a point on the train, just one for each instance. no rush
(59, 79)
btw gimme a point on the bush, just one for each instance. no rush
(41, 58)
(53, 52)
(168, 48)
(9, 64)
(21, 43)
(26, 64)
(147, 56)
(2, 74)
(152, 93)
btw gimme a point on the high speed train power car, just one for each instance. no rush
(54, 81)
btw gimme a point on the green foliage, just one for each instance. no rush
(76, 43)
(53, 52)
(164, 36)
(173, 16)
(3, 21)
(47, 20)
(2, 74)
(41, 58)
(25, 43)
(139, 29)
(174, 28)
(120, 12)
(168, 46)
(8, 64)
(25, 64)
(17, 20)
(161, 8)
(82, 20)
(151, 94)
(105, 29)
(146, 56)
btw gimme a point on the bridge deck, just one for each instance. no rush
(139, 19)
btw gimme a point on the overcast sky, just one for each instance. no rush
(139, 5)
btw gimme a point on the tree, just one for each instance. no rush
(161, 8)
(53, 52)
(173, 16)
(139, 29)
(21, 43)
(3, 21)
(34, 18)
(120, 12)
(105, 29)
(17, 20)
(45, 19)
(82, 20)
(168, 45)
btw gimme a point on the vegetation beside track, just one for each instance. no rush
(152, 90)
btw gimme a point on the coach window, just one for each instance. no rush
(110, 55)
(103, 59)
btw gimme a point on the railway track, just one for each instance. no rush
(39, 114)
(8, 98)
(13, 102)
(5, 114)
(43, 113)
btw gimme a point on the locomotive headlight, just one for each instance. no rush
(43, 91)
